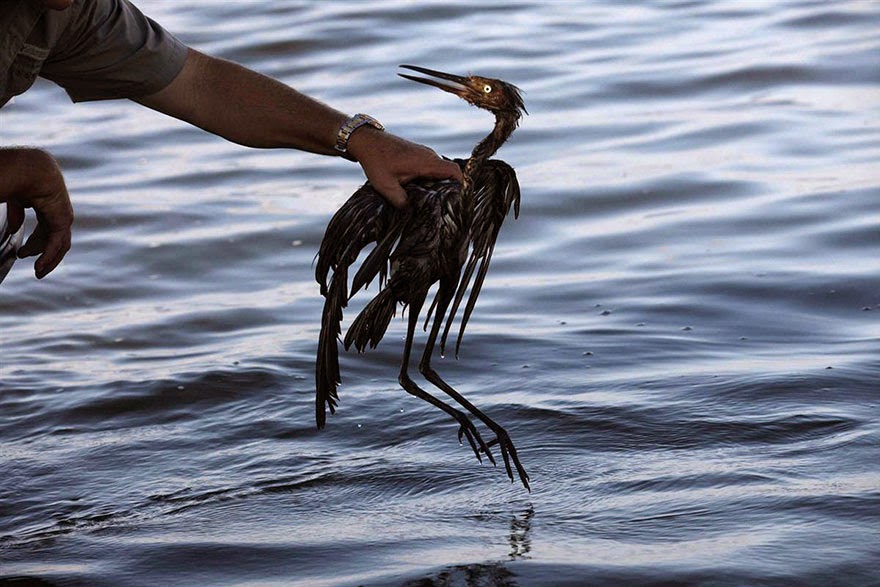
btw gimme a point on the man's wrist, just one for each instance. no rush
(366, 139)
(357, 124)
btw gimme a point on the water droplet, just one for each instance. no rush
(687, 328)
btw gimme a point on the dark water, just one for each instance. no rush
(681, 332)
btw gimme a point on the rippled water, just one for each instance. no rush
(681, 331)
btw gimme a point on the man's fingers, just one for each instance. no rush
(35, 244)
(394, 193)
(57, 246)
(390, 162)
(434, 167)
(51, 238)
(50, 246)
(444, 169)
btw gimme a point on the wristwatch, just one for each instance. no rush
(348, 128)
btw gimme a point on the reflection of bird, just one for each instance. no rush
(446, 228)
(520, 528)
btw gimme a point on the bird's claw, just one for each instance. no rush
(469, 431)
(492, 442)
(508, 452)
(463, 431)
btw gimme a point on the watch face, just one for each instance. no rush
(9, 242)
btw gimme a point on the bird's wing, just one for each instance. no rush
(496, 190)
(363, 219)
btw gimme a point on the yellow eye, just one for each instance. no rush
(487, 88)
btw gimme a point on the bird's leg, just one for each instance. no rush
(467, 428)
(508, 451)
(441, 303)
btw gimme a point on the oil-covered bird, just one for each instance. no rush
(445, 236)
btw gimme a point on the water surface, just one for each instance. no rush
(681, 331)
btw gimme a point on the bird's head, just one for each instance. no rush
(483, 92)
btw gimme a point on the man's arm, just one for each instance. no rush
(254, 110)
(30, 178)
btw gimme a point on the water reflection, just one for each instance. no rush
(493, 573)
(520, 529)
(476, 575)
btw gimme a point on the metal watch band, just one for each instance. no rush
(348, 128)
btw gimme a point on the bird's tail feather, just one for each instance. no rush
(371, 324)
(327, 377)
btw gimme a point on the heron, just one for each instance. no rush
(445, 236)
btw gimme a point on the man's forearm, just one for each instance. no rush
(256, 111)
(246, 107)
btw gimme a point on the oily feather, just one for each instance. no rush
(414, 235)
(496, 190)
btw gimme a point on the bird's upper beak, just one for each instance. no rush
(454, 84)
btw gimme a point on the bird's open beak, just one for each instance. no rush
(454, 84)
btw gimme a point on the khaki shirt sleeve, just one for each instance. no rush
(111, 50)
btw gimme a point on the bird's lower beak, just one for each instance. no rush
(454, 84)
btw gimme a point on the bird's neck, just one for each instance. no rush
(504, 126)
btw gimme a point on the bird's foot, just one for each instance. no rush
(469, 431)
(508, 452)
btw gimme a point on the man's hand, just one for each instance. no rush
(389, 162)
(30, 178)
